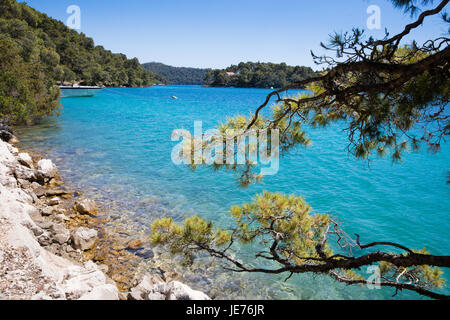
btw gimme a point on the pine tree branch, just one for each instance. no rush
(396, 285)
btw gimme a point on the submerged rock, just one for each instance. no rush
(144, 253)
(84, 238)
(134, 244)
(53, 201)
(57, 192)
(171, 276)
(87, 207)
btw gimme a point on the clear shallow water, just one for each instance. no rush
(116, 146)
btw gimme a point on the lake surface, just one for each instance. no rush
(117, 147)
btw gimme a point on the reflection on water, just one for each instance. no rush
(116, 147)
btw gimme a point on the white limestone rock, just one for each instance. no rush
(87, 207)
(152, 287)
(53, 201)
(60, 233)
(104, 292)
(25, 159)
(84, 238)
(14, 151)
(47, 168)
(179, 291)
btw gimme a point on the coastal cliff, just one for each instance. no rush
(44, 240)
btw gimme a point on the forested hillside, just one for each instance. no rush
(258, 75)
(177, 75)
(37, 52)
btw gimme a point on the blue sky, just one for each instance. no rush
(218, 33)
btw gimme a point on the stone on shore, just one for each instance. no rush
(84, 238)
(57, 192)
(48, 211)
(25, 159)
(103, 293)
(152, 287)
(145, 288)
(60, 233)
(53, 201)
(87, 207)
(6, 135)
(13, 150)
(89, 283)
(47, 168)
(38, 190)
(179, 291)
(13, 140)
(61, 218)
(24, 173)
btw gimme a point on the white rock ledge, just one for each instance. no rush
(28, 271)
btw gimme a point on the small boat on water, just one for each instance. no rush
(79, 91)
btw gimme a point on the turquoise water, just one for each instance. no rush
(117, 147)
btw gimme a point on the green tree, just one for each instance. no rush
(177, 75)
(69, 75)
(382, 90)
(25, 92)
(56, 54)
(257, 75)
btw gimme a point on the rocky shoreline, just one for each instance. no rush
(51, 245)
